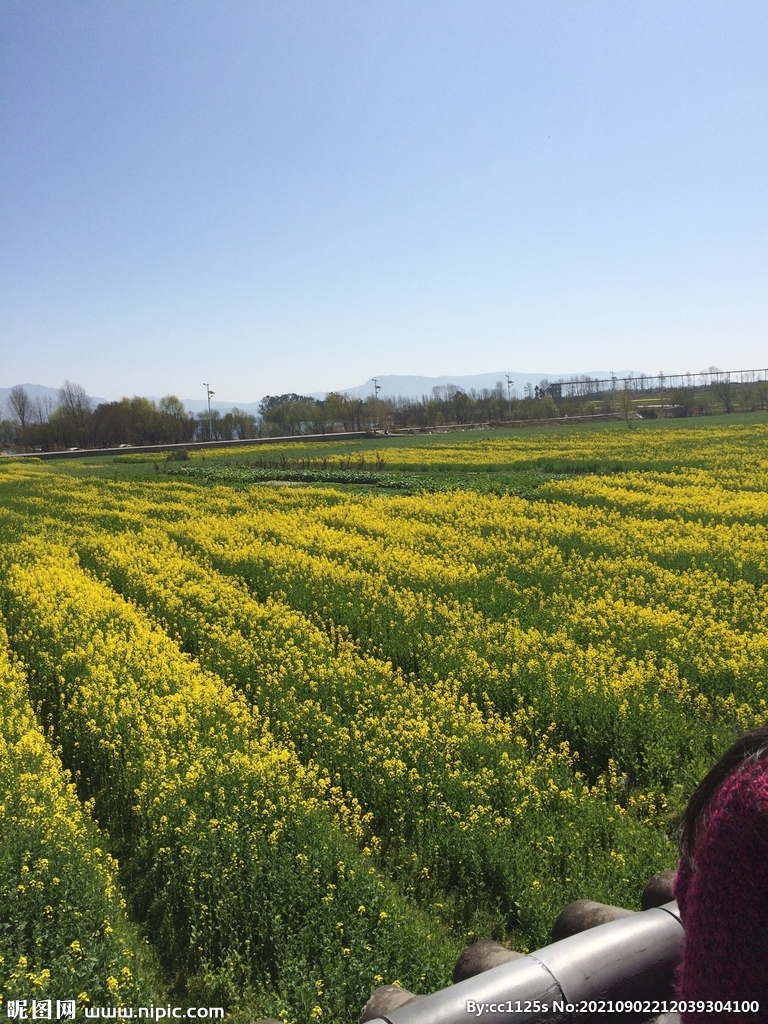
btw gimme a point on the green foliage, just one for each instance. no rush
(178, 455)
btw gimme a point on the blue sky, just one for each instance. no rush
(297, 195)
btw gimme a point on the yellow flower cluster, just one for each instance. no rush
(229, 839)
(578, 612)
(665, 444)
(444, 785)
(58, 890)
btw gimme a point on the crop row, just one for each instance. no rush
(714, 446)
(630, 660)
(64, 933)
(546, 605)
(457, 800)
(240, 861)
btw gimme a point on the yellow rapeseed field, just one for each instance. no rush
(332, 733)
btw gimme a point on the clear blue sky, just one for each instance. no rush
(297, 195)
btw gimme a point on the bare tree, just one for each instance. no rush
(74, 403)
(20, 405)
(74, 413)
(44, 406)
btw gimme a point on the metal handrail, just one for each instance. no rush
(631, 958)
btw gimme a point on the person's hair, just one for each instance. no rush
(749, 747)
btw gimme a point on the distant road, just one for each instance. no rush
(79, 453)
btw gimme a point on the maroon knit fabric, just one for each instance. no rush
(723, 899)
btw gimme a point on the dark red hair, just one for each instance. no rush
(749, 747)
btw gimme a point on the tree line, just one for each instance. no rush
(74, 421)
(448, 404)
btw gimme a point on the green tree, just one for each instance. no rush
(724, 392)
(626, 406)
(683, 401)
(177, 424)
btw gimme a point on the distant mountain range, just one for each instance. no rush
(37, 391)
(392, 386)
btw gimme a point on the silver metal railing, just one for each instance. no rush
(632, 958)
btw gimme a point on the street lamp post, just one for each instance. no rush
(376, 390)
(210, 421)
(510, 382)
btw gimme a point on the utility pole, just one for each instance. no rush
(210, 421)
(376, 390)
(510, 382)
